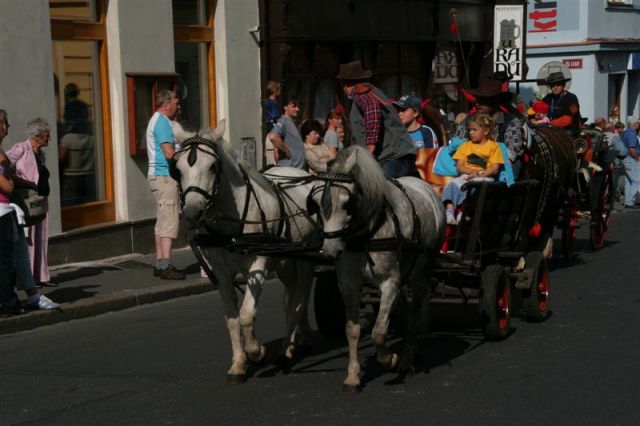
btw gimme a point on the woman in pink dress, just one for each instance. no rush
(29, 161)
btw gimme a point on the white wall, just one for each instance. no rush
(140, 37)
(26, 81)
(613, 23)
(238, 69)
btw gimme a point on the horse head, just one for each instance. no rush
(347, 198)
(196, 167)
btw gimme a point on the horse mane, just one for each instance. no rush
(367, 174)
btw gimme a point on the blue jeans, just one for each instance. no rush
(22, 263)
(8, 234)
(631, 179)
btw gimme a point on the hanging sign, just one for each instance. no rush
(508, 49)
(445, 66)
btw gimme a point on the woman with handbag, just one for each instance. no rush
(14, 253)
(29, 161)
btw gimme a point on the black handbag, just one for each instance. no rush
(34, 206)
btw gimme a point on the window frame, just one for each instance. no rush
(101, 211)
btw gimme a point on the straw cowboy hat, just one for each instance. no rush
(556, 78)
(353, 71)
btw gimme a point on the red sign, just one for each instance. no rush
(574, 64)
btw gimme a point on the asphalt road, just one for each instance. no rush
(165, 363)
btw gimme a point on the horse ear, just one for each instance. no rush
(218, 133)
(179, 133)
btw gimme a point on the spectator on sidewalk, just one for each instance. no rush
(30, 164)
(317, 153)
(270, 108)
(286, 137)
(631, 164)
(160, 149)
(332, 126)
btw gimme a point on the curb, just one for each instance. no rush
(102, 304)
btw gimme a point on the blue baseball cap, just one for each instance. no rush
(407, 101)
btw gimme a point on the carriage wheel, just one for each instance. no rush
(328, 305)
(535, 300)
(495, 303)
(569, 231)
(601, 214)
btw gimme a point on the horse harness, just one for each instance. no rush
(213, 216)
(358, 236)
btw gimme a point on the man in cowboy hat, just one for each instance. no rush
(375, 124)
(564, 108)
(491, 99)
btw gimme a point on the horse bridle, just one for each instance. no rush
(338, 180)
(192, 146)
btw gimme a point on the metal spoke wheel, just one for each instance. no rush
(328, 305)
(535, 300)
(495, 303)
(601, 212)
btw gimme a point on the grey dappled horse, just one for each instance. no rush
(228, 200)
(357, 206)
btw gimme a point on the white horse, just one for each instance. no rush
(227, 201)
(359, 208)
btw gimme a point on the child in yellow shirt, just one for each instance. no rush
(478, 158)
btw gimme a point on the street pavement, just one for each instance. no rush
(165, 363)
(93, 288)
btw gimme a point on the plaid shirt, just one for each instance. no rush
(372, 115)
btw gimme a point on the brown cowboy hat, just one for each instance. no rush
(353, 71)
(488, 89)
(555, 78)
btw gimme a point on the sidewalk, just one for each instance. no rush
(92, 288)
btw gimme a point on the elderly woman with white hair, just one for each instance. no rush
(29, 160)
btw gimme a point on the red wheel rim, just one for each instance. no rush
(502, 305)
(602, 216)
(543, 289)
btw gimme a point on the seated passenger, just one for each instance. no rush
(538, 113)
(564, 108)
(316, 153)
(408, 109)
(479, 158)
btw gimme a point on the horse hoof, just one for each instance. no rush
(257, 357)
(236, 379)
(351, 389)
(284, 363)
(303, 351)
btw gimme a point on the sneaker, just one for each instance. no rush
(47, 304)
(632, 207)
(40, 301)
(171, 273)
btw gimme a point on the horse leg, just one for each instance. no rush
(255, 281)
(297, 277)
(389, 289)
(237, 373)
(349, 282)
(420, 282)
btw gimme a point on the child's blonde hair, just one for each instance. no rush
(483, 120)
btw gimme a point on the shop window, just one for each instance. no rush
(193, 48)
(142, 90)
(79, 55)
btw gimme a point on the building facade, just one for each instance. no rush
(597, 42)
(93, 67)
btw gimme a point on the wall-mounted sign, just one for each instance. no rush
(573, 64)
(445, 66)
(508, 52)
